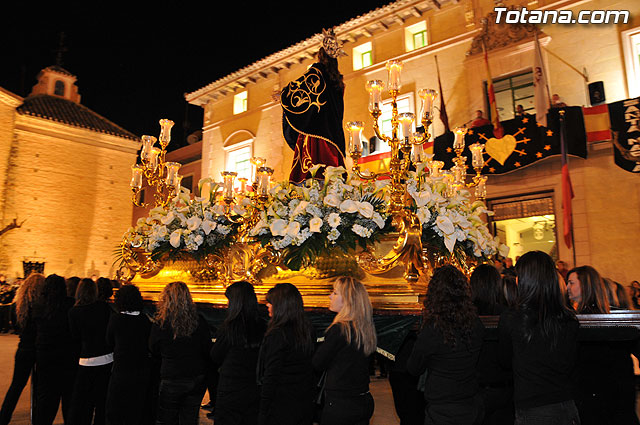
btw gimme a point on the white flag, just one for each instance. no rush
(541, 93)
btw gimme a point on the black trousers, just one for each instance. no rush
(128, 395)
(54, 384)
(347, 410)
(179, 400)
(22, 367)
(90, 395)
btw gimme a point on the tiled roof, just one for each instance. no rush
(71, 113)
(59, 69)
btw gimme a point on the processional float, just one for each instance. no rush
(388, 229)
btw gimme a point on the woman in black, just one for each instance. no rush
(128, 335)
(236, 353)
(496, 384)
(284, 364)
(344, 355)
(25, 358)
(605, 378)
(448, 348)
(56, 353)
(181, 339)
(88, 321)
(538, 340)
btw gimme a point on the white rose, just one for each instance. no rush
(315, 224)
(193, 223)
(365, 209)
(174, 239)
(278, 227)
(348, 206)
(293, 229)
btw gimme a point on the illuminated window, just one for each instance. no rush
(362, 56)
(58, 90)
(238, 159)
(631, 45)
(415, 36)
(405, 104)
(240, 102)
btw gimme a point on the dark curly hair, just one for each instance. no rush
(128, 298)
(331, 66)
(448, 305)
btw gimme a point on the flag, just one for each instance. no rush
(567, 189)
(596, 123)
(541, 88)
(625, 125)
(530, 143)
(495, 118)
(443, 111)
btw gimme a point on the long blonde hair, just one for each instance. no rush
(356, 316)
(177, 310)
(27, 295)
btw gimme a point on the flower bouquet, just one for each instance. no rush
(451, 225)
(306, 221)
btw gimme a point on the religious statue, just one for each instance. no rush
(313, 107)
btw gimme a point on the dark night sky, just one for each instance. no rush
(134, 67)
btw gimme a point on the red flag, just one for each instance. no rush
(443, 111)
(498, 131)
(567, 189)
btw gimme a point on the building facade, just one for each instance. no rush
(243, 118)
(64, 175)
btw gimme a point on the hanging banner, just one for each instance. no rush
(625, 126)
(524, 142)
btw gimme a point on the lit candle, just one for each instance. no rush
(153, 158)
(458, 142)
(428, 97)
(477, 160)
(374, 87)
(355, 132)
(417, 153)
(227, 185)
(165, 132)
(406, 119)
(394, 67)
(256, 163)
(435, 167)
(136, 177)
(147, 146)
(172, 173)
(243, 184)
(264, 180)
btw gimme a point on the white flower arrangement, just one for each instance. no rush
(451, 225)
(195, 227)
(309, 220)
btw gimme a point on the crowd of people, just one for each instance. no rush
(118, 363)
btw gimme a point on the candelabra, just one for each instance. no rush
(160, 175)
(407, 151)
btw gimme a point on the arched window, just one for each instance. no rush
(59, 88)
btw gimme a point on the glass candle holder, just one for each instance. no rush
(428, 97)
(481, 188)
(375, 87)
(243, 184)
(153, 158)
(394, 67)
(165, 132)
(172, 173)
(435, 167)
(477, 160)
(178, 186)
(147, 146)
(458, 141)
(228, 181)
(264, 180)
(406, 120)
(256, 162)
(417, 153)
(355, 134)
(136, 176)
(459, 173)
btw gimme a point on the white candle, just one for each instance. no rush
(172, 173)
(394, 68)
(147, 146)
(153, 158)
(355, 131)
(227, 185)
(375, 94)
(458, 142)
(136, 177)
(477, 160)
(406, 119)
(428, 97)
